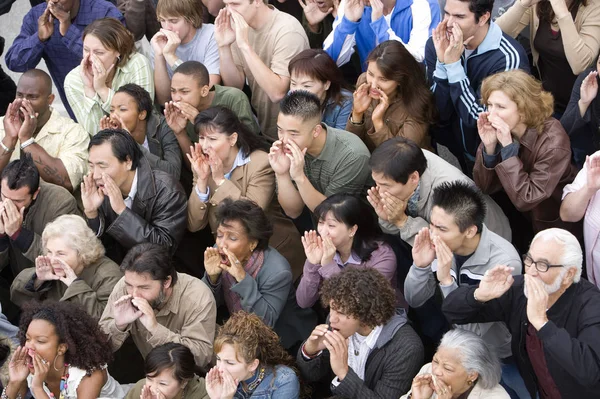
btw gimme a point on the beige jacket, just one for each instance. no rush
(254, 181)
(91, 290)
(581, 38)
(477, 393)
(188, 317)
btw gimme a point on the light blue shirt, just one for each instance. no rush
(240, 160)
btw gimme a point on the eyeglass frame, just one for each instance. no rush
(533, 262)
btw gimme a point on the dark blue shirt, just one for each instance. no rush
(61, 53)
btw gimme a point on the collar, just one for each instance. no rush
(491, 40)
(482, 254)
(240, 160)
(328, 151)
(52, 126)
(400, 6)
(371, 340)
(529, 138)
(134, 186)
(146, 185)
(412, 207)
(353, 259)
(172, 304)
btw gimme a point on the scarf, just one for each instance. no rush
(252, 267)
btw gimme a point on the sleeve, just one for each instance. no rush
(315, 369)
(572, 120)
(88, 111)
(19, 294)
(216, 289)
(384, 261)
(485, 177)
(340, 42)
(460, 306)
(165, 228)
(198, 330)
(265, 297)
(171, 161)
(288, 46)
(579, 183)
(197, 212)
(515, 19)
(465, 99)
(74, 153)
(410, 129)
(420, 32)
(27, 49)
(350, 176)
(241, 107)
(307, 293)
(107, 321)
(527, 189)
(73, 40)
(419, 286)
(407, 232)
(576, 355)
(211, 55)
(93, 300)
(581, 47)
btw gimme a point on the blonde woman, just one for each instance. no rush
(524, 151)
(73, 268)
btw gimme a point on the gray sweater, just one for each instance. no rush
(390, 367)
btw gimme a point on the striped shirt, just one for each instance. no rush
(89, 111)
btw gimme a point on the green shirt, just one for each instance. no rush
(235, 99)
(341, 167)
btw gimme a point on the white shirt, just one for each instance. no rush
(132, 192)
(365, 345)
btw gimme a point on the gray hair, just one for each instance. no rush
(475, 356)
(77, 235)
(572, 255)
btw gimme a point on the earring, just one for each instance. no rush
(54, 362)
(469, 382)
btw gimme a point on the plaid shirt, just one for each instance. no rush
(61, 53)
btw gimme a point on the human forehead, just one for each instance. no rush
(546, 249)
(457, 8)
(440, 218)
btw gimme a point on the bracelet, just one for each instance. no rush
(5, 396)
(357, 123)
(5, 148)
(27, 143)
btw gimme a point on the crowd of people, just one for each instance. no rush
(301, 199)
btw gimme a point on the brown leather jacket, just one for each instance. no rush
(534, 179)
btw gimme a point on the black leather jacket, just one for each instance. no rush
(158, 215)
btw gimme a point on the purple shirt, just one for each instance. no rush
(382, 259)
(61, 54)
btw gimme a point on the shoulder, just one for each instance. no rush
(56, 197)
(284, 374)
(73, 78)
(194, 289)
(259, 159)
(347, 144)
(501, 247)
(554, 136)
(497, 392)
(106, 267)
(206, 31)
(166, 183)
(136, 61)
(286, 24)
(274, 261)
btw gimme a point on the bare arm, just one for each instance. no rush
(51, 169)
(311, 197)
(231, 74)
(288, 196)
(162, 82)
(274, 85)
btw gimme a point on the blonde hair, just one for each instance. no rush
(534, 104)
(77, 235)
(190, 10)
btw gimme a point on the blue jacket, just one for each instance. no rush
(280, 383)
(457, 87)
(369, 34)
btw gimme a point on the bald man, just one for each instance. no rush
(57, 144)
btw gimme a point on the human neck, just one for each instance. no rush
(53, 375)
(262, 16)
(126, 189)
(364, 330)
(75, 9)
(318, 143)
(228, 163)
(206, 102)
(479, 37)
(553, 298)
(519, 131)
(42, 120)
(388, 6)
(190, 36)
(345, 251)
(469, 246)
(139, 133)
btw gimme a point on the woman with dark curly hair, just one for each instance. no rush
(251, 363)
(349, 235)
(170, 374)
(63, 354)
(245, 273)
(368, 349)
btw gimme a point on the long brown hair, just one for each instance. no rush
(114, 36)
(396, 63)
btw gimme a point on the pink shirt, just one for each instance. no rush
(591, 225)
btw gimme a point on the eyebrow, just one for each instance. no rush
(288, 130)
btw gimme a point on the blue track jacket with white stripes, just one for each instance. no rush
(457, 87)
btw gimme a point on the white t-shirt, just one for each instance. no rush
(202, 48)
(110, 390)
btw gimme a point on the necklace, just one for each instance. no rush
(252, 386)
(64, 385)
(356, 346)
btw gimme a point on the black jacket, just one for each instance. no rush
(158, 215)
(571, 338)
(389, 370)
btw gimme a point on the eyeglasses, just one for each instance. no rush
(541, 266)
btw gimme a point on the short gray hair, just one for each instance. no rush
(78, 236)
(475, 356)
(572, 254)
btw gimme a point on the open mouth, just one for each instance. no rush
(224, 258)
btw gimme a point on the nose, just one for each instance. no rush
(532, 271)
(176, 97)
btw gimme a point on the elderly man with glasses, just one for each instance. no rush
(553, 316)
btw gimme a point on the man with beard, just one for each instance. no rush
(155, 304)
(552, 314)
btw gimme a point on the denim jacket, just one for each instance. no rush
(281, 383)
(336, 115)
